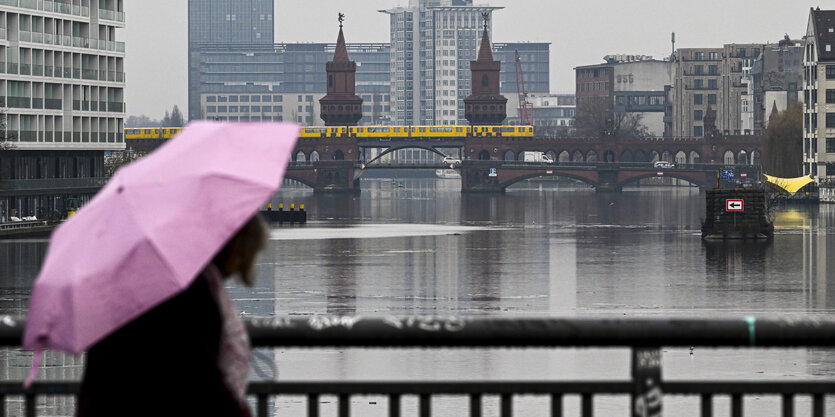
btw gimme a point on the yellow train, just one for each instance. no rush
(151, 132)
(414, 131)
(364, 131)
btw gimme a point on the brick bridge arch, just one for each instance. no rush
(396, 148)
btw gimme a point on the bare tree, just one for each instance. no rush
(595, 117)
(783, 143)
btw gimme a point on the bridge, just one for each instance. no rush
(491, 164)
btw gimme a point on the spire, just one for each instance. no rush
(340, 54)
(485, 53)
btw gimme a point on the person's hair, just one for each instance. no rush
(237, 257)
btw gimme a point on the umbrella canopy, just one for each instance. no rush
(148, 233)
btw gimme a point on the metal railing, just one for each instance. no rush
(644, 337)
(53, 183)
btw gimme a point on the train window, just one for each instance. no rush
(316, 130)
(378, 130)
(458, 129)
(508, 129)
(440, 129)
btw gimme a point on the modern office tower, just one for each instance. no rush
(432, 44)
(219, 23)
(819, 97)
(285, 82)
(62, 92)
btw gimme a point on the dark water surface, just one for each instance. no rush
(426, 249)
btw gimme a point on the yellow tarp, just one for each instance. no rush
(791, 185)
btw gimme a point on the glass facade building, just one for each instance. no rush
(223, 23)
(285, 81)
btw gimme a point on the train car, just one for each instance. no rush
(324, 132)
(151, 133)
(503, 131)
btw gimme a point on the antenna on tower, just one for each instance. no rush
(673, 54)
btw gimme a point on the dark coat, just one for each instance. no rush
(164, 363)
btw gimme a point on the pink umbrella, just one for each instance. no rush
(147, 234)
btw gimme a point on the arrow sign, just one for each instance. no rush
(734, 205)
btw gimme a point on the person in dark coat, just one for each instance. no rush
(187, 356)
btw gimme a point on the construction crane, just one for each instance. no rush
(525, 107)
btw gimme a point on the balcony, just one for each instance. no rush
(20, 102)
(37, 70)
(37, 103)
(24, 36)
(25, 69)
(53, 104)
(54, 183)
(116, 107)
(89, 74)
(111, 15)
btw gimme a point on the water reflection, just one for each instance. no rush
(532, 251)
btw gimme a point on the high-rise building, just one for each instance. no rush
(819, 96)
(219, 23)
(432, 44)
(711, 77)
(62, 92)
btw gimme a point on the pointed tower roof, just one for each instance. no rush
(485, 53)
(774, 111)
(340, 54)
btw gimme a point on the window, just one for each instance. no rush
(698, 84)
(257, 99)
(830, 120)
(233, 109)
(233, 99)
(697, 99)
(222, 99)
(830, 72)
(740, 52)
(697, 115)
(697, 131)
(211, 109)
(211, 99)
(699, 56)
(244, 109)
(830, 146)
(713, 56)
(713, 69)
(256, 108)
(221, 109)
(830, 96)
(244, 99)
(277, 109)
(712, 84)
(330, 81)
(699, 69)
(711, 99)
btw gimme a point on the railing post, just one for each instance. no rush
(647, 396)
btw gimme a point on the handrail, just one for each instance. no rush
(329, 331)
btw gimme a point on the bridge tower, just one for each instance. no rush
(485, 106)
(341, 106)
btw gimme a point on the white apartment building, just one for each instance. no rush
(432, 44)
(819, 96)
(62, 89)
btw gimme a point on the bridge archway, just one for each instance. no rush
(509, 156)
(299, 157)
(728, 159)
(397, 148)
(289, 175)
(681, 158)
(693, 178)
(552, 155)
(626, 156)
(743, 157)
(591, 156)
(338, 155)
(640, 156)
(314, 156)
(521, 156)
(484, 155)
(667, 156)
(695, 158)
(654, 157)
(577, 157)
(608, 156)
(756, 158)
(565, 156)
(557, 173)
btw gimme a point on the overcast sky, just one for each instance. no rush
(581, 32)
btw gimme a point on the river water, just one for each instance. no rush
(420, 247)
